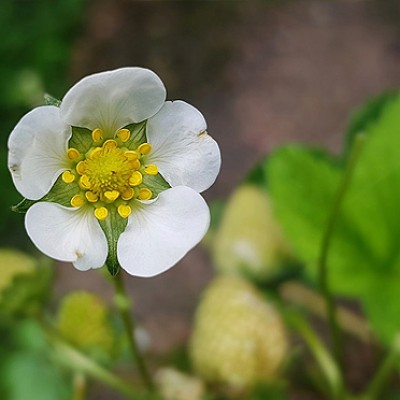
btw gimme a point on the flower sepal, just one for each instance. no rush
(49, 100)
(112, 227)
(23, 206)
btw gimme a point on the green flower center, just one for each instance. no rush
(109, 173)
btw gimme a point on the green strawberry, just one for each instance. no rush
(239, 339)
(249, 240)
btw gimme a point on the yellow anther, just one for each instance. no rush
(90, 196)
(97, 135)
(84, 182)
(145, 194)
(73, 154)
(124, 211)
(111, 195)
(136, 179)
(77, 201)
(132, 155)
(144, 148)
(135, 164)
(81, 167)
(110, 144)
(128, 194)
(124, 135)
(68, 176)
(95, 153)
(151, 169)
(101, 213)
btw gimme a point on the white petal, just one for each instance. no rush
(182, 150)
(111, 100)
(37, 151)
(67, 234)
(160, 233)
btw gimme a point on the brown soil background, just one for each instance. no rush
(263, 73)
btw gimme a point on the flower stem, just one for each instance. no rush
(79, 386)
(325, 247)
(122, 302)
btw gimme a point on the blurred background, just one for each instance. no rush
(262, 72)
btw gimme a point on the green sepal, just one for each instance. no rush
(138, 135)
(49, 100)
(81, 139)
(61, 193)
(23, 205)
(112, 227)
(156, 183)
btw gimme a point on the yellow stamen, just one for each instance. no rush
(145, 194)
(90, 196)
(135, 165)
(97, 135)
(77, 201)
(132, 155)
(110, 144)
(84, 182)
(68, 177)
(101, 213)
(144, 148)
(95, 153)
(128, 194)
(111, 195)
(73, 154)
(81, 167)
(151, 169)
(136, 179)
(124, 211)
(124, 135)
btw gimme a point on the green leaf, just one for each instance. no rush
(364, 255)
(138, 135)
(81, 139)
(61, 193)
(23, 206)
(51, 101)
(112, 227)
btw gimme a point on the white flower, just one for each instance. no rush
(115, 173)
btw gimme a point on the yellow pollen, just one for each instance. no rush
(111, 195)
(145, 194)
(90, 196)
(77, 201)
(84, 182)
(132, 155)
(124, 211)
(101, 213)
(151, 169)
(124, 135)
(136, 179)
(81, 167)
(128, 194)
(97, 135)
(95, 153)
(73, 154)
(110, 145)
(144, 148)
(68, 177)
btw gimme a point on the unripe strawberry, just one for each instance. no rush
(83, 321)
(249, 240)
(239, 339)
(24, 283)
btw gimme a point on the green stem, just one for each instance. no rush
(80, 362)
(325, 247)
(122, 302)
(381, 377)
(327, 364)
(79, 386)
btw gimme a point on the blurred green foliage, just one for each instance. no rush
(364, 258)
(35, 52)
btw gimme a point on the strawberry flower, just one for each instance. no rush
(113, 175)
